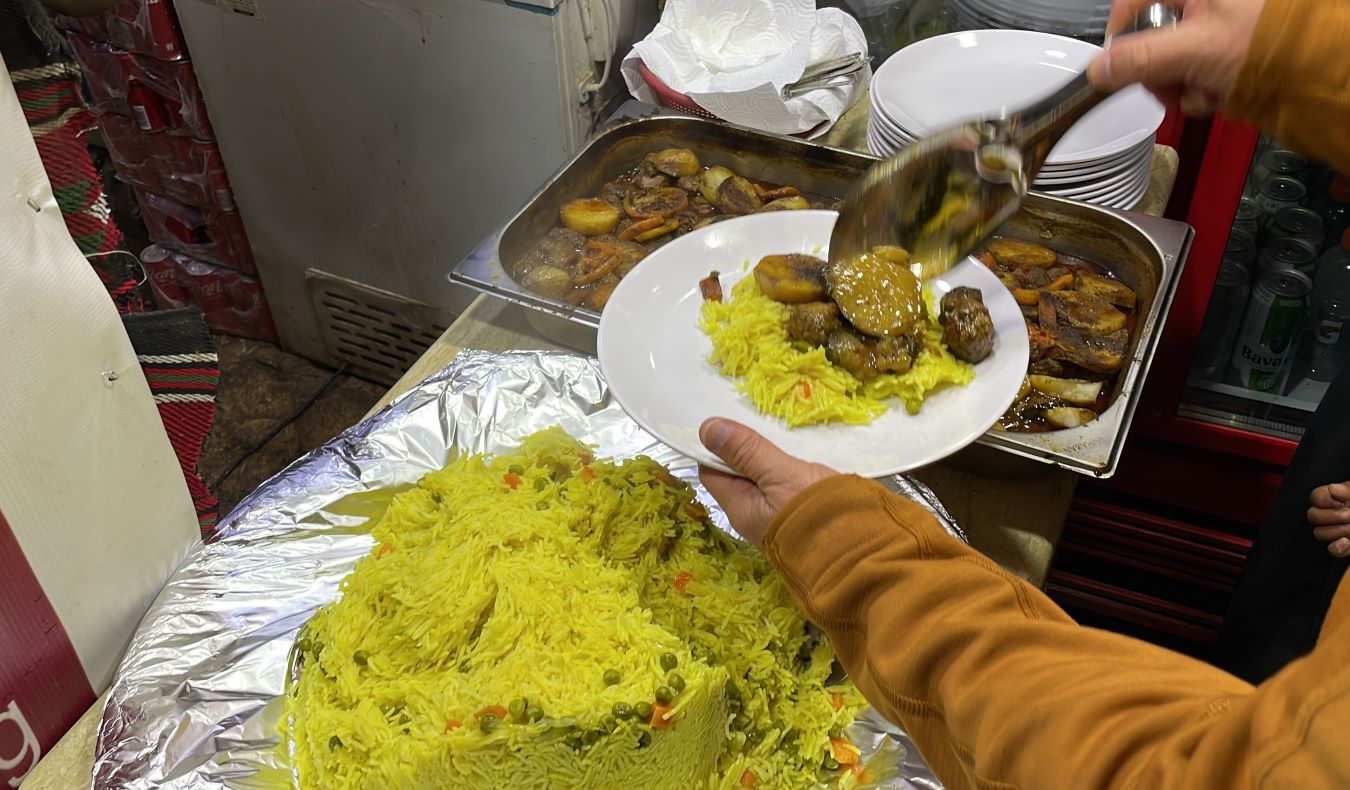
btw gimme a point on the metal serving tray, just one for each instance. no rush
(1145, 252)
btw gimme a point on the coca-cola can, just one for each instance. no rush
(158, 263)
(160, 29)
(150, 116)
(208, 286)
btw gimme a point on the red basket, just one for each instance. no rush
(670, 98)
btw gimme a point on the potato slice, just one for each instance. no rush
(878, 297)
(794, 203)
(1012, 252)
(1083, 393)
(791, 279)
(676, 162)
(1069, 417)
(590, 216)
(712, 181)
(737, 196)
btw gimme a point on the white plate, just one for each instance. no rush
(1106, 169)
(654, 356)
(948, 79)
(1131, 181)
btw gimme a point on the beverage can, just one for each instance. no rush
(1278, 162)
(158, 263)
(1248, 216)
(208, 287)
(1226, 303)
(1268, 336)
(1280, 192)
(1288, 253)
(1297, 222)
(1241, 248)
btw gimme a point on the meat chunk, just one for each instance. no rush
(690, 184)
(1041, 341)
(1096, 353)
(1082, 311)
(1032, 277)
(558, 246)
(792, 279)
(812, 322)
(1046, 367)
(893, 355)
(648, 177)
(847, 349)
(1014, 253)
(1113, 291)
(711, 287)
(966, 326)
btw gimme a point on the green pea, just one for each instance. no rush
(304, 645)
(669, 661)
(753, 737)
(643, 710)
(361, 658)
(612, 677)
(534, 713)
(388, 708)
(676, 682)
(644, 740)
(590, 737)
(792, 735)
(540, 483)
(541, 506)
(609, 724)
(574, 742)
(517, 708)
(488, 723)
(436, 497)
(664, 695)
(516, 469)
(836, 732)
(404, 718)
(622, 711)
(830, 764)
(334, 742)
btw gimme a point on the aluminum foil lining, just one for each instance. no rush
(197, 699)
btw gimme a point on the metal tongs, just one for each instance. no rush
(822, 74)
(944, 195)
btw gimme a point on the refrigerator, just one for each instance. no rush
(371, 145)
(1251, 343)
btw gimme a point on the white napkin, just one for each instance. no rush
(733, 58)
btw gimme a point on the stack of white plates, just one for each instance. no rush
(1077, 18)
(1106, 158)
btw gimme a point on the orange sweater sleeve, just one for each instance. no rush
(1295, 79)
(999, 688)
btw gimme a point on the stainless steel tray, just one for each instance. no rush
(1145, 252)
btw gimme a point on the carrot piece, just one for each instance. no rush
(587, 474)
(806, 388)
(837, 700)
(661, 230)
(748, 779)
(844, 752)
(384, 549)
(659, 720)
(1026, 296)
(642, 226)
(495, 710)
(512, 479)
(1061, 283)
(682, 580)
(860, 773)
(453, 724)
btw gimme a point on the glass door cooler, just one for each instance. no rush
(1251, 343)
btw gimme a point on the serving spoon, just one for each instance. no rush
(943, 196)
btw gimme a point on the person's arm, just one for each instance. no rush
(1295, 80)
(1000, 688)
(1281, 65)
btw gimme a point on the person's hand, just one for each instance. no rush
(769, 476)
(1330, 517)
(1196, 62)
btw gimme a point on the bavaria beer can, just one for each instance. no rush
(1265, 345)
